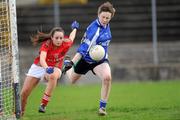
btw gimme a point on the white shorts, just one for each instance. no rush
(36, 71)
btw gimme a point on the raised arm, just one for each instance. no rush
(75, 27)
(73, 34)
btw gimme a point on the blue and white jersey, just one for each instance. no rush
(96, 34)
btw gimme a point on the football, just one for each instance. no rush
(97, 52)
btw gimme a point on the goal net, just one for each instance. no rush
(9, 64)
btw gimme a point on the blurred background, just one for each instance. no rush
(146, 34)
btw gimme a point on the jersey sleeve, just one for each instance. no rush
(86, 40)
(67, 45)
(45, 46)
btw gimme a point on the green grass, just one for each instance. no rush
(128, 101)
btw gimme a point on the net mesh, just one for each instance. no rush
(6, 77)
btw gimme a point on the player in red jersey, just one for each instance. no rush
(48, 64)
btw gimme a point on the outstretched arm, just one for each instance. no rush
(73, 34)
(75, 27)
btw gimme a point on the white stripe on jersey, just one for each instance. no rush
(93, 41)
(87, 41)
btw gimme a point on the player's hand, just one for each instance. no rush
(67, 65)
(49, 70)
(75, 25)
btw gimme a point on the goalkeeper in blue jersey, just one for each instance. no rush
(98, 32)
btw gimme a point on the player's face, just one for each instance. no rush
(104, 18)
(57, 38)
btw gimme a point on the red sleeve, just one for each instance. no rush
(68, 44)
(45, 46)
(69, 40)
(66, 37)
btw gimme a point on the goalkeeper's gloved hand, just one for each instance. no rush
(75, 25)
(67, 65)
(49, 70)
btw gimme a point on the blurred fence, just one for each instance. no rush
(131, 51)
(132, 22)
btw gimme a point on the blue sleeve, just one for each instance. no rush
(83, 49)
(86, 40)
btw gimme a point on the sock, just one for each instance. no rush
(102, 104)
(45, 99)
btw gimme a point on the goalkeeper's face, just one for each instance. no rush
(57, 38)
(104, 18)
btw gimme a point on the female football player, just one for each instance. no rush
(48, 64)
(97, 33)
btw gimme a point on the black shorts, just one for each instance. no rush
(82, 67)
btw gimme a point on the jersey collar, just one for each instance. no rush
(97, 21)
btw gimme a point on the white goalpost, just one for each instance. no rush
(9, 62)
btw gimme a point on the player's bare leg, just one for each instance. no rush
(29, 84)
(103, 71)
(73, 77)
(52, 81)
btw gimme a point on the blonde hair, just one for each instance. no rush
(107, 7)
(41, 37)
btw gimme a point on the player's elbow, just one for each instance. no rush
(72, 38)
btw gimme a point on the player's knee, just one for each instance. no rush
(107, 79)
(53, 77)
(73, 80)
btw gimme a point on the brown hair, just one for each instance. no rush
(41, 37)
(107, 7)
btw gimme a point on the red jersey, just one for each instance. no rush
(55, 56)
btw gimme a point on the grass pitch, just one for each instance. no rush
(128, 101)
